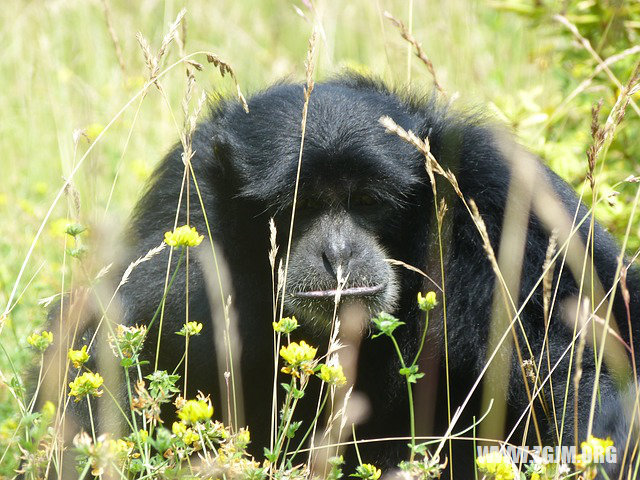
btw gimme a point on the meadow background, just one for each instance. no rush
(67, 67)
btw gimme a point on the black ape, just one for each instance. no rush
(364, 197)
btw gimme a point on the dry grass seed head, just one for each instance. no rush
(225, 68)
(404, 32)
(273, 247)
(548, 268)
(147, 256)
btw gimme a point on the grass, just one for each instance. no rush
(66, 72)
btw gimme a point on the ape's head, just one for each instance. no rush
(356, 185)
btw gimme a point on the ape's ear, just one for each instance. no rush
(212, 151)
(222, 155)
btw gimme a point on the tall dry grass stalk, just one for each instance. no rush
(309, 67)
(513, 239)
(419, 52)
(346, 410)
(548, 269)
(106, 9)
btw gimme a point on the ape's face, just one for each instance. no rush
(336, 248)
(354, 186)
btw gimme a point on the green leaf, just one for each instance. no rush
(386, 323)
(269, 455)
(293, 428)
(411, 373)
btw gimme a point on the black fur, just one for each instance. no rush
(245, 165)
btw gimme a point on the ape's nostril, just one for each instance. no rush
(327, 265)
(336, 254)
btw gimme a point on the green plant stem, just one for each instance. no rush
(422, 341)
(281, 427)
(178, 365)
(289, 416)
(310, 429)
(186, 362)
(85, 470)
(412, 416)
(93, 429)
(160, 308)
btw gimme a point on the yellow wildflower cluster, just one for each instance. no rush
(48, 410)
(128, 340)
(496, 465)
(428, 302)
(332, 374)
(40, 341)
(104, 452)
(285, 325)
(299, 358)
(367, 471)
(231, 459)
(193, 411)
(242, 438)
(86, 384)
(184, 433)
(190, 329)
(121, 449)
(78, 357)
(592, 451)
(183, 236)
(93, 130)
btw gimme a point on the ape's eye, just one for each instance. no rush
(363, 200)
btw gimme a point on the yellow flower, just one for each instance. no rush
(593, 449)
(93, 130)
(127, 340)
(299, 357)
(187, 435)
(178, 428)
(40, 341)
(183, 236)
(332, 374)
(86, 384)
(243, 438)
(596, 444)
(119, 448)
(428, 302)
(195, 411)
(48, 411)
(190, 329)
(367, 471)
(58, 227)
(285, 325)
(78, 357)
(190, 436)
(498, 466)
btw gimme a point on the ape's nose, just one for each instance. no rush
(337, 252)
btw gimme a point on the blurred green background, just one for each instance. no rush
(60, 74)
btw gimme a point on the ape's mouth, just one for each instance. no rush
(345, 292)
